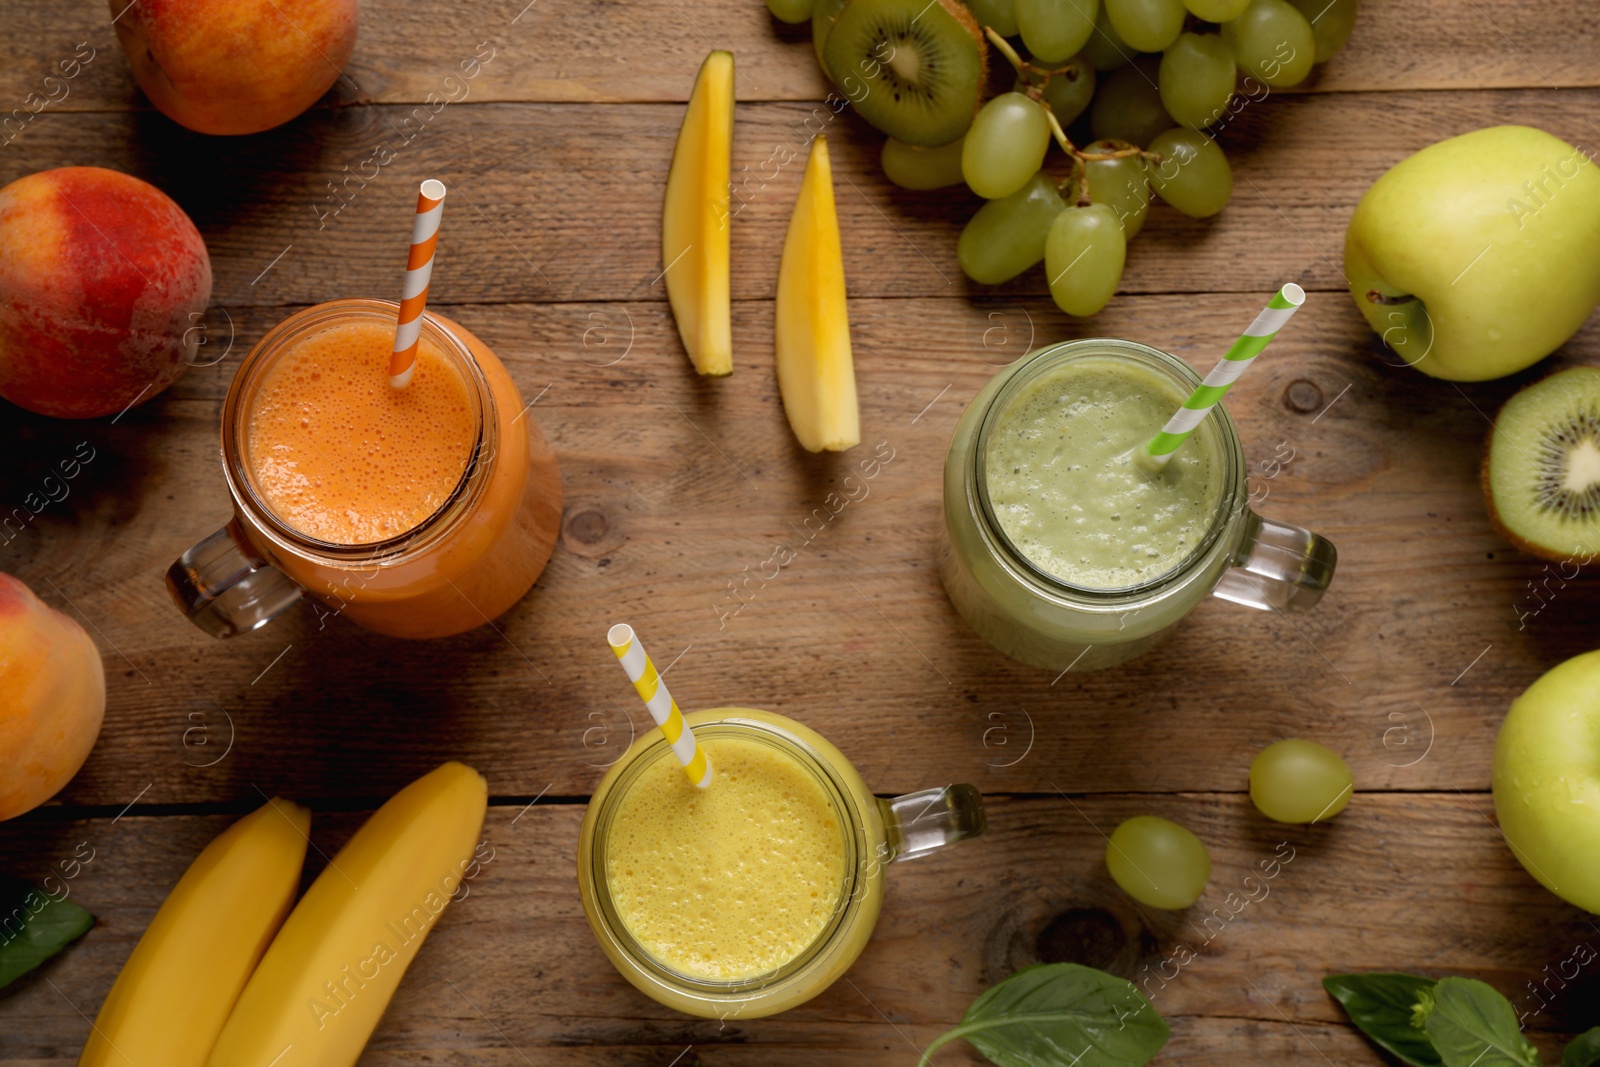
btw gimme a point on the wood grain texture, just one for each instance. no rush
(678, 488)
(562, 202)
(647, 50)
(513, 969)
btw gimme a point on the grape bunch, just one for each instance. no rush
(1144, 82)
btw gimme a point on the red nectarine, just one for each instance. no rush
(101, 278)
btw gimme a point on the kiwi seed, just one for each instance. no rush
(912, 68)
(1541, 473)
(1563, 488)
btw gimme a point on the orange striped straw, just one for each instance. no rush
(419, 268)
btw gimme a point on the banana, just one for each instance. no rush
(694, 220)
(174, 993)
(317, 994)
(816, 374)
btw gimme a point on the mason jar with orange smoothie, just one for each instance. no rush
(417, 512)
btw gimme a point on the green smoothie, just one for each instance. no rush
(1063, 485)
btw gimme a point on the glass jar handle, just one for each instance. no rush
(1278, 566)
(225, 588)
(920, 822)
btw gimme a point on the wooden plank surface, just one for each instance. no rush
(647, 50)
(514, 966)
(677, 486)
(562, 202)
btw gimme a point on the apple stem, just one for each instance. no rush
(1375, 297)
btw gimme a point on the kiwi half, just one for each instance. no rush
(1541, 473)
(912, 68)
(823, 12)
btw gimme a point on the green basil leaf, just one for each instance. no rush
(33, 927)
(1388, 1008)
(1053, 1014)
(1473, 1026)
(1583, 1050)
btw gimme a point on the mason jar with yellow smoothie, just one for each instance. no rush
(1064, 553)
(755, 893)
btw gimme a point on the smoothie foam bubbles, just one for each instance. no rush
(1066, 491)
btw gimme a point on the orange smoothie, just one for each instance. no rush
(342, 456)
(420, 512)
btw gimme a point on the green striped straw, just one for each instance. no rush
(1155, 454)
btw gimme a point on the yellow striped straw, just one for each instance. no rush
(663, 709)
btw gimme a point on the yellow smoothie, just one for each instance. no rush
(733, 881)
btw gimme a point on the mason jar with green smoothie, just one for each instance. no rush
(1065, 551)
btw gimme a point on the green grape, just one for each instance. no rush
(1273, 41)
(999, 15)
(1196, 81)
(1148, 25)
(1193, 175)
(1299, 781)
(1007, 236)
(1068, 96)
(1128, 107)
(1083, 258)
(1331, 23)
(1068, 93)
(1104, 49)
(1005, 145)
(1216, 10)
(1157, 862)
(1054, 30)
(792, 11)
(1120, 184)
(912, 167)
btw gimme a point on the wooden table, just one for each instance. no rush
(677, 487)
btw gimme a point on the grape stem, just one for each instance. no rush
(1375, 297)
(1039, 77)
(1036, 77)
(1006, 50)
(1079, 179)
(1080, 157)
(1123, 152)
(1061, 135)
(1080, 173)
(1120, 153)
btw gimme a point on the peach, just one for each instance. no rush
(235, 66)
(102, 280)
(52, 698)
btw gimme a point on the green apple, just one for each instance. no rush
(1479, 255)
(1547, 780)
